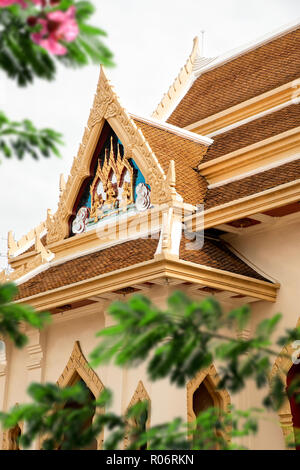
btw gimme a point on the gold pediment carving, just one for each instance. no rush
(107, 107)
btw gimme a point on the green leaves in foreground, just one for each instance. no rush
(12, 315)
(23, 60)
(188, 337)
(175, 344)
(70, 419)
(21, 138)
(88, 47)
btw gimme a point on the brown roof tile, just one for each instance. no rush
(255, 131)
(216, 254)
(186, 154)
(253, 184)
(253, 73)
(88, 266)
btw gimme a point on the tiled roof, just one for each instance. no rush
(186, 154)
(216, 254)
(88, 266)
(253, 184)
(258, 71)
(254, 131)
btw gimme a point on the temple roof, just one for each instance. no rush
(254, 184)
(94, 264)
(215, 253)
(186, 154)
(255, 131)
(237, 77)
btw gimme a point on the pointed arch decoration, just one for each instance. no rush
(281, 367)
(210, 378)
(10, 437)
(78, 366)
(140, 394)
(107, 107)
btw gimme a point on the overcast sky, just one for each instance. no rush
(151, 41)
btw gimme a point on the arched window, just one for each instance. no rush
(75, 406)
(294, 399)
(202, 400)
(143, 422)
(285, 369)
(78, 370)
(203, 393)
(14, 435)
(11, 437)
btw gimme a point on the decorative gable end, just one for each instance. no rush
(125, 158)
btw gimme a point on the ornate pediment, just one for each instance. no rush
(116, 187)
(106, 108)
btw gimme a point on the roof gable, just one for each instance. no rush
(106, 108)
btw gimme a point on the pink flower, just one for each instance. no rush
(7, 3)
(58, 25)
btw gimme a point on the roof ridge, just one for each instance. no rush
(181, 83)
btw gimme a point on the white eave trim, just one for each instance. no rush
(199, 139)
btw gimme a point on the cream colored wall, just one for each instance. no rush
(57, 342)
(277, 252)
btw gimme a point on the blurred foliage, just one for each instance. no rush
(23, 60)
(185, 338)
(62, 427)
(21, 138)
(12, 316)
(174, 344)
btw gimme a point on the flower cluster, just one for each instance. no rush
(55, 26)
(8, 3)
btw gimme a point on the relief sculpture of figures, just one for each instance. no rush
(111, 196)
(126, 196)
(96, 207)
(112, 189)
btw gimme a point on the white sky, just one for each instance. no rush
(151, 41)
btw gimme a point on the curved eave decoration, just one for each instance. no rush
(106, 106)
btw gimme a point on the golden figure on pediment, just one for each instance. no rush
(111, 196)
(127, 196)
(96, 206)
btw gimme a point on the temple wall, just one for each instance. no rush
(275, 252)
